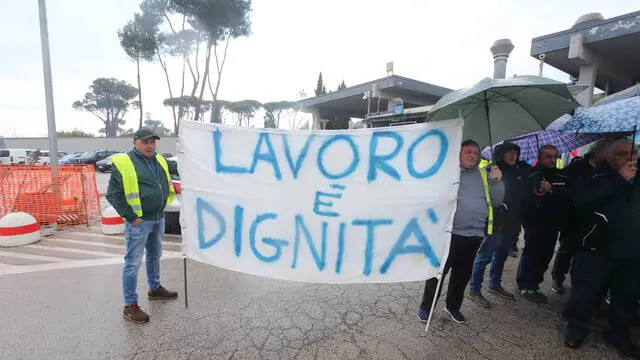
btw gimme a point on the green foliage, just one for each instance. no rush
(276, 109)
(244, 110)
(217, 114)
(342, 86)
(108, 100)
(320, 88)
(139, 37)
(270, 121)
(157, 126)
(219, 19)
(73, 133)
(187, 105)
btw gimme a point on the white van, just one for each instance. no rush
(14, 156)
(45, 157)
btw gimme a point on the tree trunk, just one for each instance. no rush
(166, 74)
(219, 68)
(139, 92)
(198, 114)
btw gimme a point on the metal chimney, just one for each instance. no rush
(501, 50)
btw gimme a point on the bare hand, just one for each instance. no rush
(629, 170)
(545, 186)
(136, 222)
(495, 174)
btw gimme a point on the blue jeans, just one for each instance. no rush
(494, 249)
(147, 235)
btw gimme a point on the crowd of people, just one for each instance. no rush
(588, 207)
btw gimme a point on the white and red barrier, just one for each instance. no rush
(112, 223)
(18, 229)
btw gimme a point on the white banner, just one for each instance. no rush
(353, 206)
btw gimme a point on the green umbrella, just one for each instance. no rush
(499, 109)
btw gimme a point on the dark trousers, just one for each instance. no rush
(462, 251)
(539, 245)
(568, 245)
(589, 274)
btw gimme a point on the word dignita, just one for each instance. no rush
(410, 240)
(265, 152)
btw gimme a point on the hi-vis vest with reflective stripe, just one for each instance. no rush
(485, 182)
(130, 180)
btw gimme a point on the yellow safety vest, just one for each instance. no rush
(487, 196)
(130, 180)
(559, 163)
(484, 163)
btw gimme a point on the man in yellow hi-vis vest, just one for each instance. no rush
(139, 189)
(480, 190)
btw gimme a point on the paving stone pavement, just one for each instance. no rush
(75, 313)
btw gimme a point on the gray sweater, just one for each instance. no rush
(471, 214)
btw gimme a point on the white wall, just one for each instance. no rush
(69, 145)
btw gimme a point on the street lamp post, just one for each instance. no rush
(48, 85)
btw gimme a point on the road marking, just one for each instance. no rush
(70, 250)
(121, 237)
(98, 244)
(31, 257)
(13, 270)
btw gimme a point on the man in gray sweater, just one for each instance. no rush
(479, 191)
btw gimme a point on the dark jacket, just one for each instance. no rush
(509, 213)
(152, 183)
(547, 211)
(608, 213)
(578, 170)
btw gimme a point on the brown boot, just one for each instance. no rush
(161, 294)
(134, 314)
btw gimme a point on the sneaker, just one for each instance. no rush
(557, 286)
(625, 347)
(161, 294)
(501, 292)
(535, 296)
(456, 315)
(134, 314)
(479, 299)
(423, 315)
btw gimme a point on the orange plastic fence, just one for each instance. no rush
(71, 200)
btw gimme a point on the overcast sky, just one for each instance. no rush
(440, 42)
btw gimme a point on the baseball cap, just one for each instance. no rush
(145, 134)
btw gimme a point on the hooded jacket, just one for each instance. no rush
(472, 213)
(509, 212)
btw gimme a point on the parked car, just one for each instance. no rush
(45, 157)
(92, 156)
(172, 211)
(69, 157)
(105, 164)
(14, 156)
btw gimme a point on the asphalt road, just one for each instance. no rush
(75, 313)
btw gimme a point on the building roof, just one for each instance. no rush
(615, 40)
(350, 102)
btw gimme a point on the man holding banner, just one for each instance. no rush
(479, 191)
(139, 189)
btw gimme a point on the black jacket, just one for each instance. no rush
(547, 211)
(509, 213)
(609, 213)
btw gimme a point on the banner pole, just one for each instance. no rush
(433, 303)
(186, 295)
